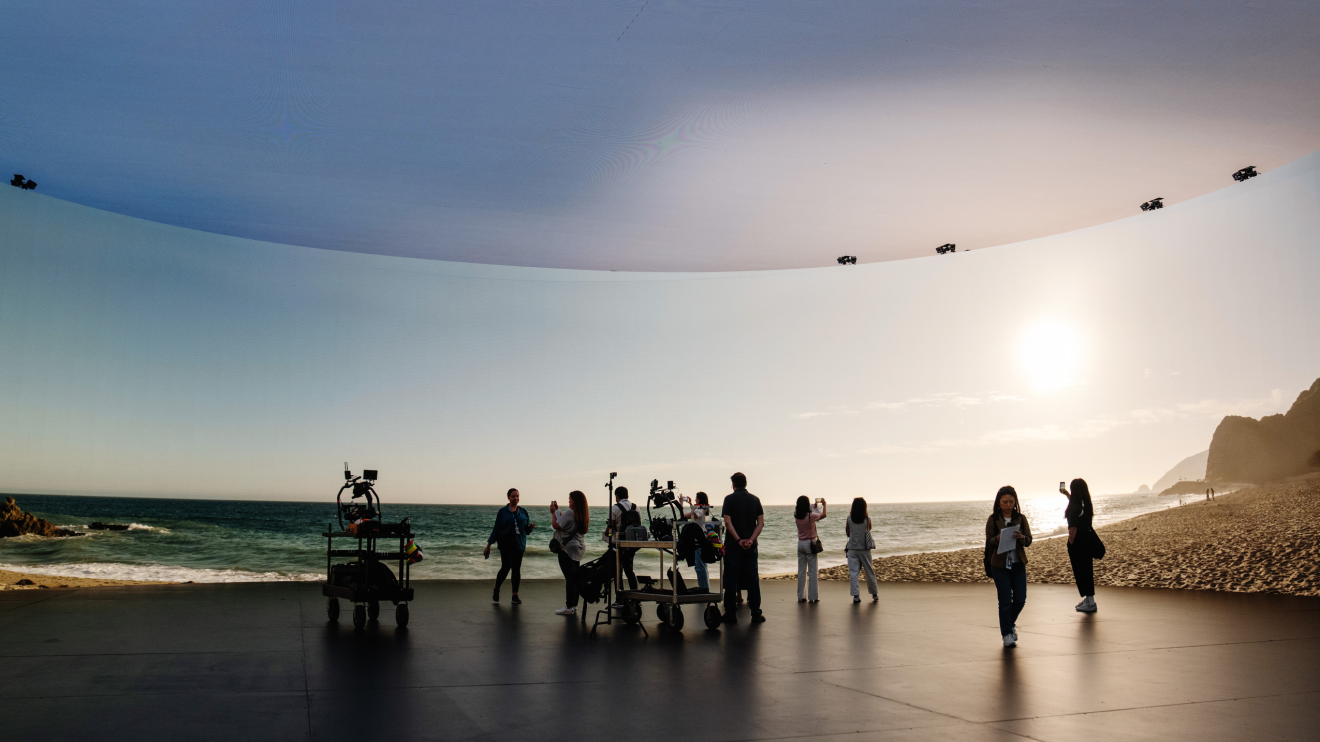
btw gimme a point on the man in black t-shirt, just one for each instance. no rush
(743, 521)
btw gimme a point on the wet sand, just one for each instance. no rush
(1260, 540)
(9, 581)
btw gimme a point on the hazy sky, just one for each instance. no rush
(142, 358)
(650, 135)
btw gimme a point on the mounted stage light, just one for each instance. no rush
(18, 181)
(1245, 173)
(946, 247)
(847, 260)
(1153, 204)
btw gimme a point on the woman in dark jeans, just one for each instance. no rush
(1080, 535)
(510, 533)
(570, 530)
(1009, 569)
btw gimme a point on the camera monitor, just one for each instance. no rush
(369, 474)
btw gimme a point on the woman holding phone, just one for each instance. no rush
(805, 516)
(699, 514)
(1008, 567)
(570, 531)
(1080, 535)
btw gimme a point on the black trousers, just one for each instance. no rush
(567, 566)
(626, 564)
(741, 572)
(510, 560)
(1079, 554)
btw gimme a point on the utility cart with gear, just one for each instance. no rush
(367, 580)
(662, 534)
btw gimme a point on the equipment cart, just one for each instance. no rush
(367, 580)
(669, 603)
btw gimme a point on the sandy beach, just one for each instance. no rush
(1257, 540)
(9, 581)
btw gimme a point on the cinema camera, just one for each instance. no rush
(1153, 204)
(361, 486)
(20, 182)
(946, 247)
(662, 528)
(1246, 173)
(847, 259)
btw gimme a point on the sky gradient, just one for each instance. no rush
(650, 136)
(141, 358)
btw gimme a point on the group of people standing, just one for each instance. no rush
(743, 521)
(1008, 567)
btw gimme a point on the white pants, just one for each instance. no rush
(806, 568)
(858, 559)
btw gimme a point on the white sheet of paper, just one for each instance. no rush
(1008, 539)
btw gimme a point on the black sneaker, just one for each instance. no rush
(516, 601)
(496, 597)
(730, 618)
(758, 618)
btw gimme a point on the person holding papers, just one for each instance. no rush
(1009, 534)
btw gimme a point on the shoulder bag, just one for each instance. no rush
(1097, 546)
(816, 546)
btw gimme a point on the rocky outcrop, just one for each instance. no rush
(15, 522)
(1271, 448)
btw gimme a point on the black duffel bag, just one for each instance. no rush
(1097, 547)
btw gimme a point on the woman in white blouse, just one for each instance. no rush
(570, 530)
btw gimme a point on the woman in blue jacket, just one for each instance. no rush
(510, 535)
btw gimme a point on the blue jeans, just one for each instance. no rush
(703, 580)
(1011, 585)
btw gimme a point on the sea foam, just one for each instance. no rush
(157, 572)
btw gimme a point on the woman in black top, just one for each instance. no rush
(1080, 535)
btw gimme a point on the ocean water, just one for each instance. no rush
(243, 541)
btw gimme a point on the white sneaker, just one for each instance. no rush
(567, 611)
(1009, 640)
(1013, 634)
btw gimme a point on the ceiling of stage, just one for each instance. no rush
(650, 135)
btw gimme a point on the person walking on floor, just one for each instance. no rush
(699, 514)
(744, 518)
(1081, 540)
(512, 525)
(806, 516)
(1009, 568)
(570, 533)
(858, 549)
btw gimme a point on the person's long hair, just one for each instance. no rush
(1079, 489)
(703, 499)
(858, 514)
(577, 502)
(1006, 490)
(803, 508)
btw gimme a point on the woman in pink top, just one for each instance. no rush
(806, 517)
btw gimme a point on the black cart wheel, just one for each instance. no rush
(632, 612)
(401, 615)
(713, 617)
(373, 611)
(332, 609)
(359, 616)
(676, 618)
(662, 612)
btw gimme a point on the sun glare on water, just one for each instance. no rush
(1050, 351)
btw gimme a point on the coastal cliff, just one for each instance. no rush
(1270, 449)
(15, 522)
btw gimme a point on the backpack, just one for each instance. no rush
(628, 517)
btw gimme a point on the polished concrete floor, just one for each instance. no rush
(259, 661)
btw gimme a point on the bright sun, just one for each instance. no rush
(1050, 352)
